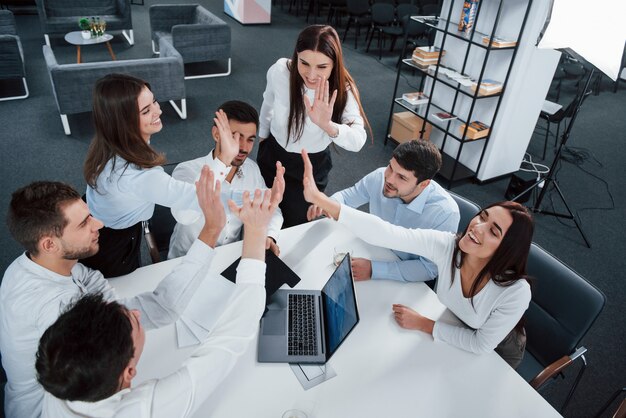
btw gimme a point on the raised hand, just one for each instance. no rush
(278, 186)
(321, 111)
(208, 192)
(227, 143)
(311, 192)
(257, 212)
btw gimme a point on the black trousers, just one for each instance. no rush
(293, 206)
(120, 251)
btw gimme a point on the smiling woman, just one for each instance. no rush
(124, 174)
(310, 101)
(482, 272)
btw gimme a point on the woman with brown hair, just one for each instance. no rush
(482, 273)
(124, 174)
(310, 102)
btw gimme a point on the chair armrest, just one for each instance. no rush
(555, 368)
(151, 242)
(7, 23)
(166, 49)
(123, 7)
(164, 16)
(11, 57)
(203, 16)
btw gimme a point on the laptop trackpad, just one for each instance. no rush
(274, 322)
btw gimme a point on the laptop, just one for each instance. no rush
(308, 326)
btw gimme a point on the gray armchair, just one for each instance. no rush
(11, 54)
(72, 84)
(197, 34)
(61, 16)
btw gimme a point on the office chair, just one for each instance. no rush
(620, 412)
(563, 308)
(11, 55)
(383, 17)
(467, 209)
(157, 232)
(556, 117)
(359, 14)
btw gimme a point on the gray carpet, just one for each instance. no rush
(34, 147)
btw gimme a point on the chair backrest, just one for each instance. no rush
(7, 23)
(467, 210)
(563, 307)
(63, 8)
(358, 7)
(383, 13)
(405, 10)
(430, 10)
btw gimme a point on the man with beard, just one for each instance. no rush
(244, 175)
(403, 193)
(55, 227)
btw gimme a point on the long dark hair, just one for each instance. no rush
(508, 263)
(324, 39)
(116, 119)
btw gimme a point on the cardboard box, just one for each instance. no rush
(407, 126)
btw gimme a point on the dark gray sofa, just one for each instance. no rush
(72, 84)
(59, 17)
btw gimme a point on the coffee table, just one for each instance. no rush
(76, 38)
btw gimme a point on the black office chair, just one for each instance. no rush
(418, 35)
(563, 308)
(157, 232)
(383, 17)
(467, 210)
(620, 412)
(359, 14)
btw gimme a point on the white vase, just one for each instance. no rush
(86, 34)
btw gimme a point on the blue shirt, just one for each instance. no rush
(433, 208)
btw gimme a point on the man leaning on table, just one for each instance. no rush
(244, 175)
(404, 194)
(54, 225)
(89, 365)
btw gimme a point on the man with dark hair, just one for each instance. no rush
(55, 227)
(403, 193)
(244, 175)
(87, 367)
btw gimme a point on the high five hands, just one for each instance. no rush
(227, 143)
(321, 111)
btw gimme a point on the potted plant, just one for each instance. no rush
(83, 24)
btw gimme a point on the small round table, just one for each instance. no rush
(76, 38)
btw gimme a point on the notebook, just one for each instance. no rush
(277, 273)
(308, 326)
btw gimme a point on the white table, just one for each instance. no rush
(382, 369)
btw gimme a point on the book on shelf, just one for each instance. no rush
(487, 87)
(428, 52)
(416, 98)
(498, 42)
(468, 15)
(475, 130)
(443, 116)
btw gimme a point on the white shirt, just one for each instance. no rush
(248, 177)
(274, 117)
(126, 195)
(496, 310)
(32, 297)
(183, 392)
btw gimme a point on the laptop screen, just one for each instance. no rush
(339, 304)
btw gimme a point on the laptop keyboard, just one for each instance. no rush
(302, 338)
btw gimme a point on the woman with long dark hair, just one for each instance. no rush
(310, 102)
(124, 174)
(482, 273)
